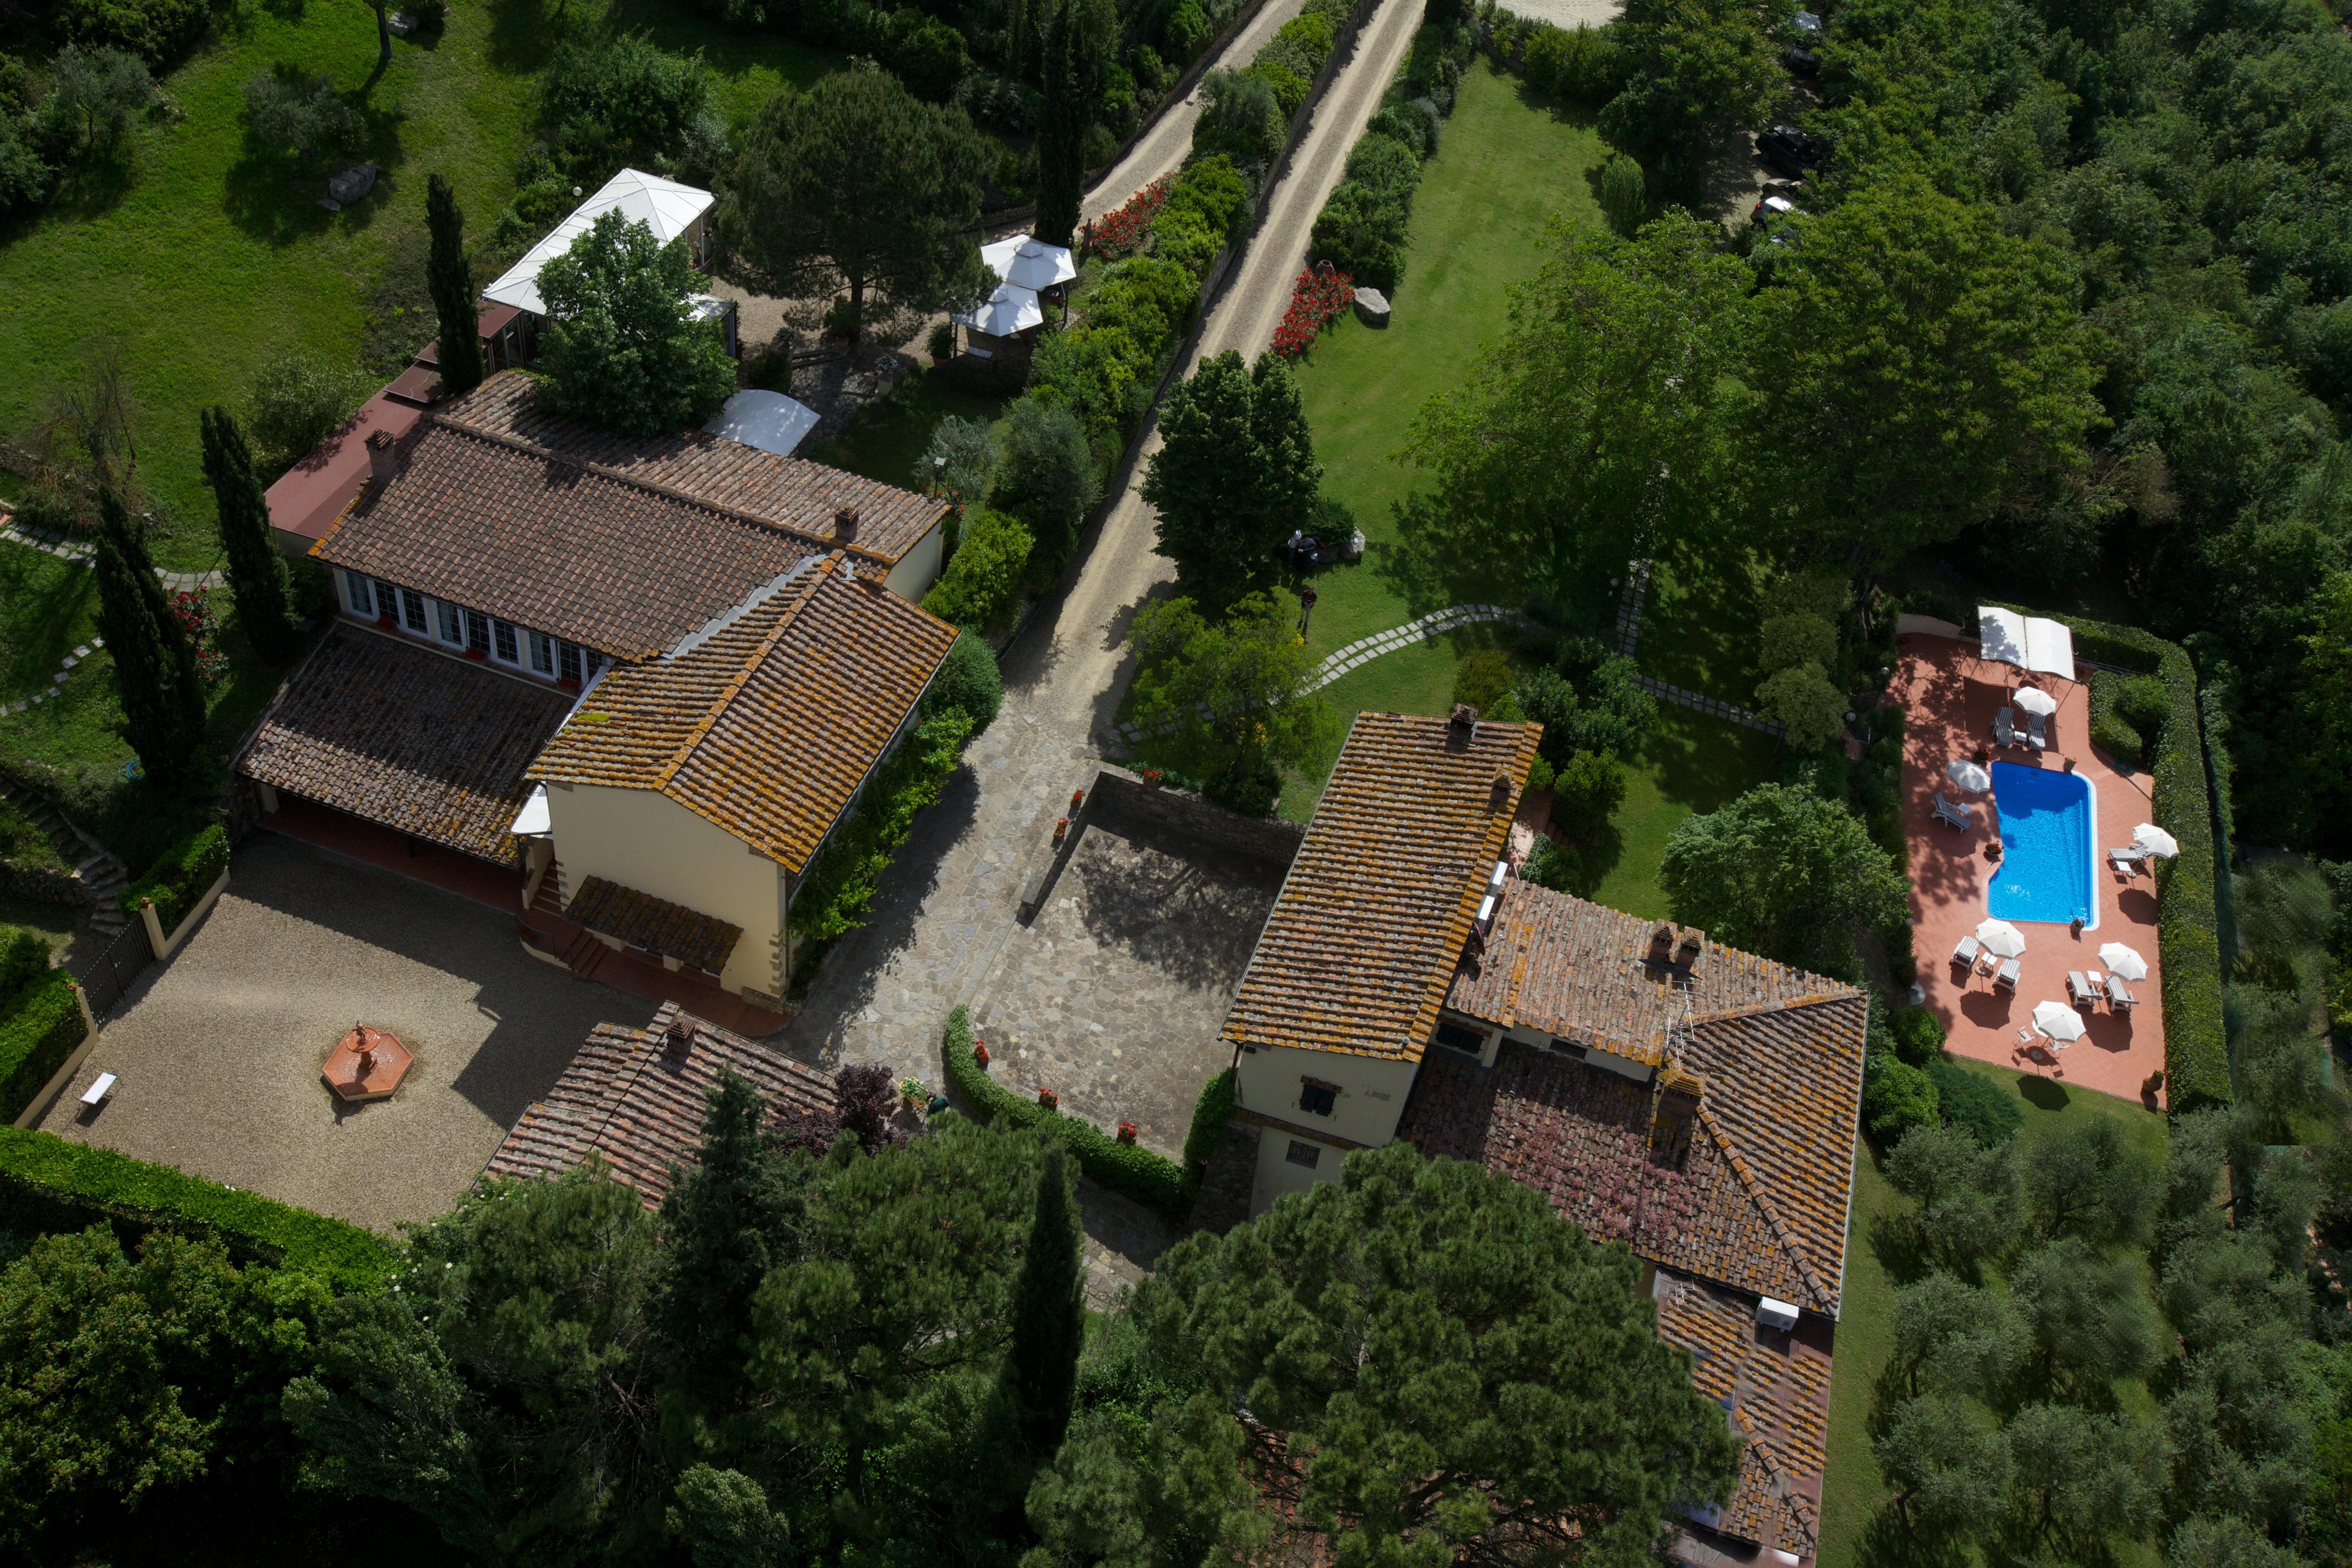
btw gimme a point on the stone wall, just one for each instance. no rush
(1116, 796)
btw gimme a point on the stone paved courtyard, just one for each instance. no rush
(1114, 997)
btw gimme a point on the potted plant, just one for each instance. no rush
(1061, 831)
(979, 1053)
(1049, 1099)
(1993, 850)
(1126, 1132)
(1153, 778)
(911, 1090)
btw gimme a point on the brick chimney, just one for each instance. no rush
(678, 1038)
(381, 465)
(845, 525)
(1687, 950)
(1462, 726)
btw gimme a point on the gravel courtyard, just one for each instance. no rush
(219, 1050)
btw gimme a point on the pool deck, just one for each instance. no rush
(1949, 696)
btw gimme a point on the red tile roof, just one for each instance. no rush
(1775, 1388)
(634, 1104)
(1359, 950)
(655, 925)
(767, 726)
(398, 734)
(310, 496)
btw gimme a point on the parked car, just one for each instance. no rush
(1800, 55)
(1791, 151)
(1771, 208)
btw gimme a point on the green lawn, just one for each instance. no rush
(205, 261)
(1699, 628)
(1506, 162)
(1852, 1490)
(1694, 762)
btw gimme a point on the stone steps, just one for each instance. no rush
(102, 875)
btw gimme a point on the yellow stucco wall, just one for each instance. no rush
(643, 839)
(1372, 1093)
(920, 567)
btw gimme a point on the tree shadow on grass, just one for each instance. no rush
(273, 195)
(95, 184)
(1699, 628)
(1706, 762)
(42, 601)
(523, 35)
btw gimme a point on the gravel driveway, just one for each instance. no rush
(219, 1050)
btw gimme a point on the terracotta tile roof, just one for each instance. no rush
(545, 543)
(791, 492)
(628, 1101)
(1581, 972)
(1775, 1387)
(768, 725)
(414, 740)
(1360, 947)
(696, 940)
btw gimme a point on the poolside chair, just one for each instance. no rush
(2004, 727)
(2079, 990)
(1957, 816)
(2119, 1000)
(1965, 955)
(2037, 733)
(2131, 857)
(2005, 978)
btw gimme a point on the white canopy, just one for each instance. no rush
(2155, 840)
(768, 420)
(2036, 701)
(2124, 960)
(533, 818)
(2042, 645)
(2000, 939)
(1029, 263)
(663, 205)
(1012, 309)
(1968, 775)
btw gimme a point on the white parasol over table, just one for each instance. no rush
(1972, 777)
(2000, 939)
(2035, 700)
(2057, 1022)
(2124, 961)
(2155, 840)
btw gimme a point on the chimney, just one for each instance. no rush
(1662, 945)
(1686, 954)
(1462, 727)
(845, 525)
(380, 463)
(678, 1038)
(1498, 794)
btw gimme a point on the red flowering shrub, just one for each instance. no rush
(192, 609)
(1125, 230)
(1320, 297)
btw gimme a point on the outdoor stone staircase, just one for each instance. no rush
(586, 953)
(101, 874)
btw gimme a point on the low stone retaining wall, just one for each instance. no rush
(1116, 796)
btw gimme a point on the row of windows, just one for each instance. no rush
(471, 630)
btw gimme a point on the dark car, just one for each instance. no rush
(1800, 54)
(1792, 152)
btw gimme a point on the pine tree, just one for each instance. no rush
(1049, 1315)
(726, 1224)
(1236, 477)
(451, 282)
(256, 571)
(154, 663)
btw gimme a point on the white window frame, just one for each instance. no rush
(513, 636)
(570, 662)
(543, 654)
(416, 618)
(355, 589)
(448, 623)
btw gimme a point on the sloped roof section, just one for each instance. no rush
(400, 735)
(637, 1105)
(665, 206)
(789, 493)
(1775, 1387)
(767, 721)
(699, 941)
(1359, 951)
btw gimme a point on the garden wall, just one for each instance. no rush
(1116, 795)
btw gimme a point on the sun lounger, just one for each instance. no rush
(2037, 733)
(2120, 1000)
(2079, 990)
(2004, 727)
(2131, 857)
(1958, 816)
(98, 1089)
(1965, 955)
(2006, 978)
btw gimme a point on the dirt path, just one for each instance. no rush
(1162, 149)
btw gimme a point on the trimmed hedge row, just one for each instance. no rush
(38, 1030)
(1361, 228)
(2188, 936)
(1210, 1115)
(1147, 1178)
(48, 1183)
(178, 879)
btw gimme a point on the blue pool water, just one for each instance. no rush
(2046, 853)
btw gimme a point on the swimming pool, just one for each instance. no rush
(2047, 860)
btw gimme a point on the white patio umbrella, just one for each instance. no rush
(2002, 939)
(2033, 700)
(2124, 961)
(1971, 776)
(2155, 840)
(2057, 1021)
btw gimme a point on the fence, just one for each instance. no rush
(105, 975)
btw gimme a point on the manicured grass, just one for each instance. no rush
(885, 441)
(1507, 162)
(1700, 628)
(205, 260)
(1692, 763)
(1852, 1490)
(1416, 679)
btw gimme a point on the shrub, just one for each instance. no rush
(1361, 232)
(1407, 127)
(1123, 230)
(1150, 1179)
(839, 887)
(179, 876)
(49, 1184)
(303, 114)
(1579, 64)
(38, 1030)
(1046, 477)
(626, 96)
(1970, 1103)
(1213, 189)
(1483, 679)
(296, 402)
(1251, 787)
(1895, 1098)
(1919, 1035)
(1288, 86)
(1185, 30)
(1210, 1113)
(969, 682)
(1319, 297)
(25, 178)
(153, 29)
(94, 93)
(1238, 118)
(1587, 789)
(24, 958)
(932, 60)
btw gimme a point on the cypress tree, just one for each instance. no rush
(154, 663)
(451, 282)
(1061, 128)
(256, 571)
(1049, 1315)
(728, 1221)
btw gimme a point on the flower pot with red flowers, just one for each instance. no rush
(1126, 1132)
(1061, 831)
(1049, 1099)
(1153, 778)
(979, 1053)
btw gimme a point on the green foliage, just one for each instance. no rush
(1965, 1191)
(40, 1024)
(1233, 696)
(612, 98)
(960, 457)
(727, 1222)
(1361, 228)
(450, 280)
(286, 110)
(1482, 1339)
(969, 682)
(621, 348)
(24, 958)
(179, 876)
(1687, 70)
(1046, 477)
(156, 30)
(1947, 1463)
(1803, 700)
(1781, 872)
(1919, 1035)
(834, 896)
(1967, 1101)
(1603, 709)
(298, 401)
(1625, 200)
(154, 664)
(1152, 1180)
(1896, 1099)
(982, 583)
(1239, 120)
(49, 1184)
(256, 569)
(723, 1515)
(1580, 65)
(1208, 198)
(1587, 789)
(1080, 49)
(1048, 1312)
(1237, 471)
(1483, 679)
(1210, 1115)
(93, 95)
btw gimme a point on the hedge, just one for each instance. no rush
(1150, 1179)
(1210, 1115)
(178, 879)
(2189, 919)
(38, 1030)
(48, 1183)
